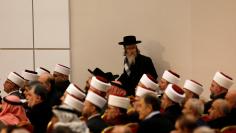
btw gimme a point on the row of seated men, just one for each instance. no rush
(42, 102)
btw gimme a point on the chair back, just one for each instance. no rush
(133, 126)
(229, 129)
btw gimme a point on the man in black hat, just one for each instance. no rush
(135, 64)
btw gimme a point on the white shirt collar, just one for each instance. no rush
(93, 116)
(152, 114)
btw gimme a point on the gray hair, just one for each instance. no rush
(196, 105)
(75, 126)
(64, 116)
(70, 120)
(223, 106)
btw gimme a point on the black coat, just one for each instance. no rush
(220, 123)
(61, 86)
(143, 64)
(96, 124)
(58, 90)
(207, 105)
(156, 124)
(232, 116)
(173, 112)
(39, 116)
(53, 97)
(201, 122)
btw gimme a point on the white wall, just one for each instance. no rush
(213, 39)
(97, 27)
(16, 24)
(33, 33)
(193, 37)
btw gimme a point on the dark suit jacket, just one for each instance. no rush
(156, 124)
(172, 112)
(221, 122)
(39, 116)
(143, 64)
(207, 105)
(58, 90)
(232, 116)
(96, 124)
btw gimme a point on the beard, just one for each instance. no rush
(212, 96)
(131, 59)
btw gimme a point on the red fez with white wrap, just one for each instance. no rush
(62, 69)
(149, 82)
(171, 77)
(95, 99)
(98, 84)
(223, 80)
(74, 102)
(140, 91)
(117, 101)
(74, 90)
(41, 70)
(175, 93)
(193, 86)
(30, 75)
(16, 78)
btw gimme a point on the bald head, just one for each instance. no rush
(47, 80)
(230, 97)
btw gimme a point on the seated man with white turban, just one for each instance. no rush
(219, 87)
(192, 89)
(61, 75)
(168, 77)
(93, 106)
(171, 102)
(116, 114)
(13, 84)
(147, 85)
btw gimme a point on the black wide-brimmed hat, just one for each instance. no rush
(98, 72)
(110, 76)
(129, 40)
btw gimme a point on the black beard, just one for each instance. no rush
(212, 96)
